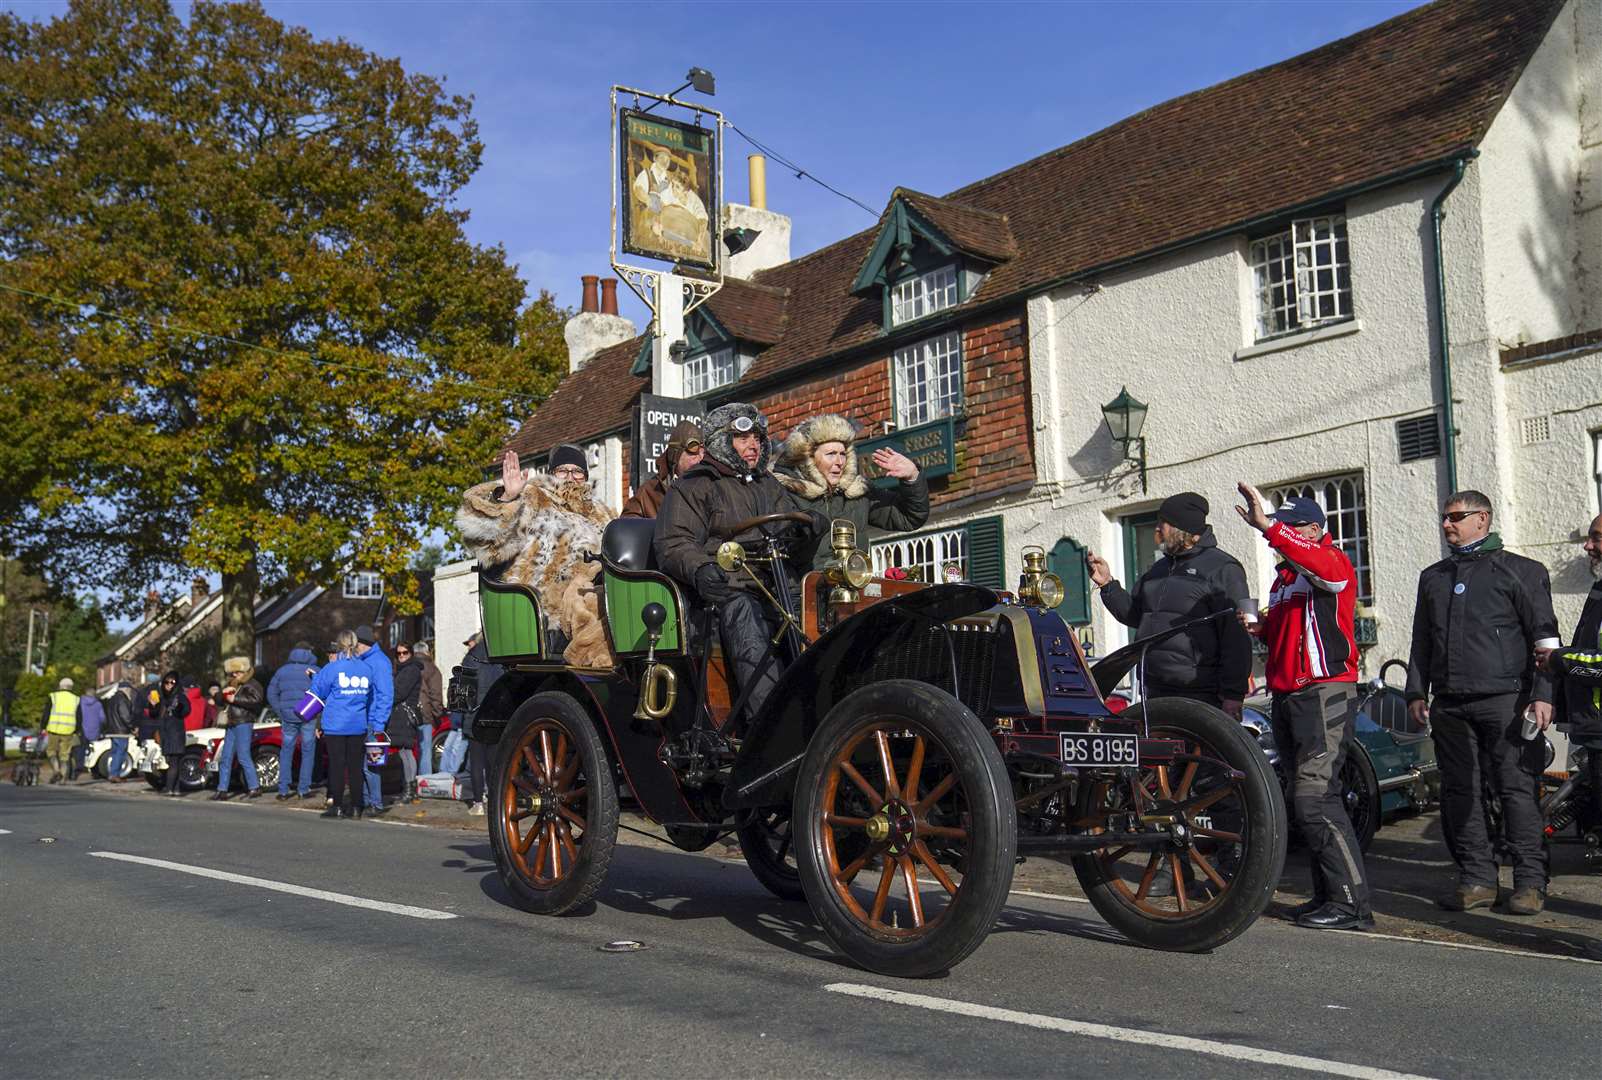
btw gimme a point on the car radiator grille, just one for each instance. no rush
(922, 656)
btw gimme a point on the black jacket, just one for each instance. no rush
(1577, 675)
(1475, 625)
(1213, 659)
(119, 714)
(171, 714)
(476, 666)
(701, 506)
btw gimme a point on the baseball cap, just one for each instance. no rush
(1299, 510)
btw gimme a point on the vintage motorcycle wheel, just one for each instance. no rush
(1225, 792)
(552, 806)
(767, 842)
(902, 781)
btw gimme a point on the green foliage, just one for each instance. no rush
(281, 356)
(77, 637)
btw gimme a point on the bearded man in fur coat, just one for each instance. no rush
(818, 465)
(535, 532)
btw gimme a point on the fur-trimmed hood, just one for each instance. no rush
(719, 435)
(802, 475)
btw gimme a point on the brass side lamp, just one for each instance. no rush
(1037, 586)
(849, 570)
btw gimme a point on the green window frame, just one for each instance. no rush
(1066, 559)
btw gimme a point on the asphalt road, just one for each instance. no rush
(112, 967)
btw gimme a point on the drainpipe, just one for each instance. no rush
(1437, 214)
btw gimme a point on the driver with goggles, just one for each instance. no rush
(731, 484)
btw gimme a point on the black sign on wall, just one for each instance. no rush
(654, 421)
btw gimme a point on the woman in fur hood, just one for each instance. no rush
(535, 532)
(818, 464)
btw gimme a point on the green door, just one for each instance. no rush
(1140, 551)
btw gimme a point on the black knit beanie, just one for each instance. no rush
(1186, 511)
(567, 454)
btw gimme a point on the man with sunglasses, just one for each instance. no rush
(684, 451)
(1481, 613)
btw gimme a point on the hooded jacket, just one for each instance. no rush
(383, 676)
(1475, 624)
(902, 508)
(119, 712)
(718, 493)
(290, 683)
(1577, 674)
(172, 714)
(347, 689)
(1214, 659)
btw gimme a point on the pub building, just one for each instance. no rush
(1366, 275)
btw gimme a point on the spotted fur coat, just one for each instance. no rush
(540, 540)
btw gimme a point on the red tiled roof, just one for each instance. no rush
(977, 231)
(1399, 96)
(751, 312)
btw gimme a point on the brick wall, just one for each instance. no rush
(316, 623)
(993, 445)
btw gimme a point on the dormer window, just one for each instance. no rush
(709, 371)
(923, 294)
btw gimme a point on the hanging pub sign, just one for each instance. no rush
(655, 420)
(669, 189)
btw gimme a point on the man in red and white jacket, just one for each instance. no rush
(1311, 671)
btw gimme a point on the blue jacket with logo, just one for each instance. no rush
(290, 682)
(382, 670)
(348, 695)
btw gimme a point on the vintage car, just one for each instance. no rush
(1390, 767)
(921, 739)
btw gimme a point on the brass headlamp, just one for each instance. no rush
(1037, 587)
(849, 570)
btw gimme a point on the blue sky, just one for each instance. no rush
(864, 95)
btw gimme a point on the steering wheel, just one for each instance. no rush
(795, 517)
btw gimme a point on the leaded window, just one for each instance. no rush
(923, 294)
(709, 371)
(364, 585)
(928, 380)
(1303, 276)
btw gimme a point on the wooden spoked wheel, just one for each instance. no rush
(1219, 873)
(906, 830)
(895, 821)
(543, 800)
(553, 812)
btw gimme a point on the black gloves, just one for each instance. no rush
(713, 584)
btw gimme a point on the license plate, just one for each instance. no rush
(1100, 748)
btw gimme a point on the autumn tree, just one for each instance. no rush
(241, 324)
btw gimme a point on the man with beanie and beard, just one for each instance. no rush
(731, 484)
(1194, 578)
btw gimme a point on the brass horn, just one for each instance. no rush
(659, 683)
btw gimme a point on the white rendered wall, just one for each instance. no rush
(1170, 331)
(455, 612)
(1537, 286)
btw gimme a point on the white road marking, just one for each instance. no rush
(279, 886)
(5, 832)
(1134, 1036)
(1525, 953)
(1048, 896)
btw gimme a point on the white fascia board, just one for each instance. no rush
(193, 621)
(296, 609)
(146, 627)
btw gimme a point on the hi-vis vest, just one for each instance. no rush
(63, 713)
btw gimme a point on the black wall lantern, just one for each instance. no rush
(1126, 417)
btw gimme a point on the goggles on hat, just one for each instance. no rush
(693, 446)
(742, 424)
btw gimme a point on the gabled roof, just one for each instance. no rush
(196, 617)
(164, 616)
(752, 313)
(1398, 99)
(950, 228)
(273, 615)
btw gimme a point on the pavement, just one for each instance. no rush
(150, 936)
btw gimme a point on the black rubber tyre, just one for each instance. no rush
(1361, 794)
(191, 773)
(157, 780)
(944, 807)
(767, 844)
(551, 771)
(1245, 849)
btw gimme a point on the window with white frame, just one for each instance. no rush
(928, 380)
(927, 554)
(397, 631)
(1303, 276)
(425, 630)
(923, 294)
(709, 371)
(364, 585)
(1346, 513)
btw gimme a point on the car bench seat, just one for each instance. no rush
(509, 614)
(631, 579)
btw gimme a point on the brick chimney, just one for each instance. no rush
(597, 326)
(766, 234)
(198, 591)
(152, 604)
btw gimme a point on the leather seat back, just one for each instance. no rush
(627, 543)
